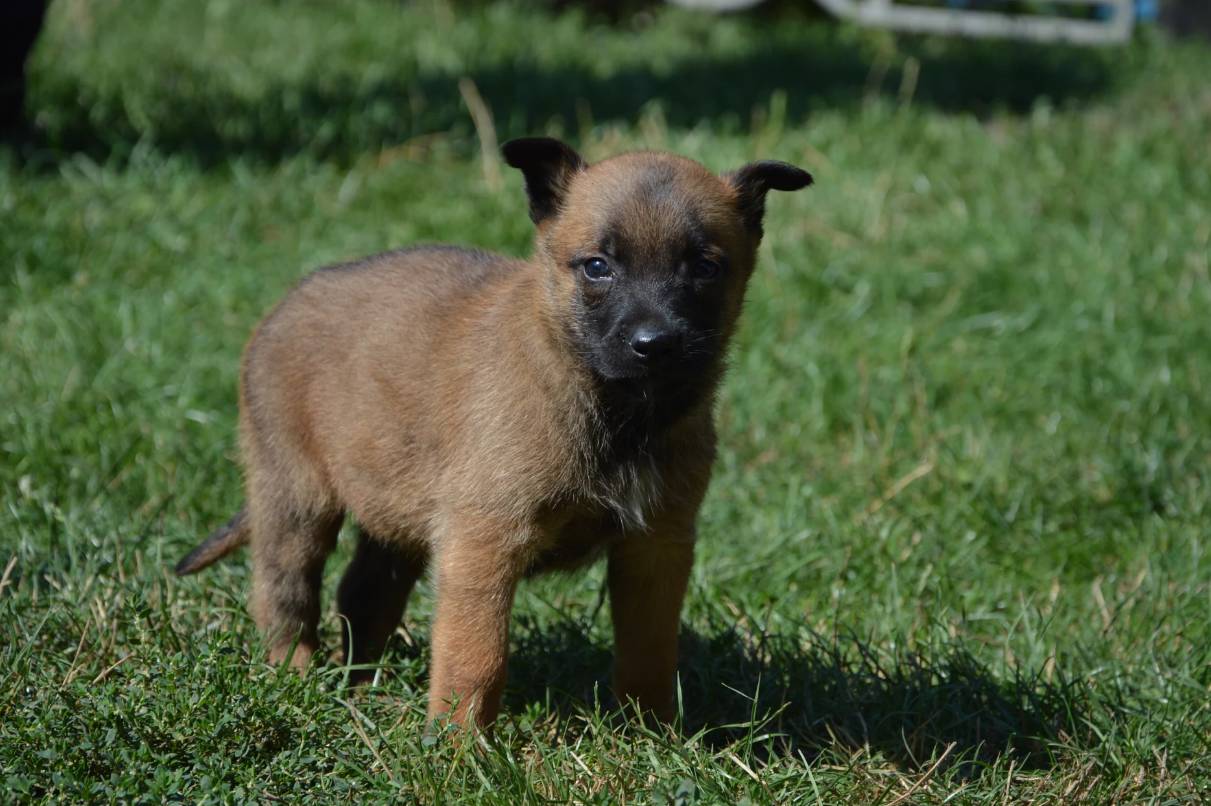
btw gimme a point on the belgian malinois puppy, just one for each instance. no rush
(495, 418)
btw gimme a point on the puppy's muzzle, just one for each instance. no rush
(652, 344)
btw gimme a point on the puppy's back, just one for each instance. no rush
(354, 358)
(337, 309)
(414, 280)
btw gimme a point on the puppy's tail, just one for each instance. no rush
(221, 542)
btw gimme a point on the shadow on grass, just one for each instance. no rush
(823, 693)
(340, 114)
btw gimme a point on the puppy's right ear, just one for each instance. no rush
(548, 166)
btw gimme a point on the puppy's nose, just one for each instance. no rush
(651, 343)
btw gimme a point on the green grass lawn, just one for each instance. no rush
(958, 544)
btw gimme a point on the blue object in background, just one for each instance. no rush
(1145, 11)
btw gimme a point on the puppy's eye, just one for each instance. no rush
(704, 269)
(596, 268)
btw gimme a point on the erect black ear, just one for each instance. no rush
(548, 166)
(755, 179)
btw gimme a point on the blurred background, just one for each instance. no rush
(262, 83)
(957, 535)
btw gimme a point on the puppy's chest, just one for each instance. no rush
(619, 469)
(628, 492)
(618, 504)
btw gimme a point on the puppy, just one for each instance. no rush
(494, 418)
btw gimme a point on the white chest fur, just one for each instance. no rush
(631, 491)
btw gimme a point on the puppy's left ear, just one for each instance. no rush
(548, 166)
(754, 180)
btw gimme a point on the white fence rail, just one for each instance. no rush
(1114, 24)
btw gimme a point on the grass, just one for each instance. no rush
(956, 549)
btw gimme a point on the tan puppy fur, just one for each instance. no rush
(492, 418)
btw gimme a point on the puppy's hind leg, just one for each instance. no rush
(372, 597)
(289, 547)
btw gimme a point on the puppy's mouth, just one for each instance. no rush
(640, 400)
(670, 372)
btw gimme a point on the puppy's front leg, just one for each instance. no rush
(477, 569)
(648, 575)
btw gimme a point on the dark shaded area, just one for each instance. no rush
(1187, 17)
(832, 690)
(339, 116)
(20, 23)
